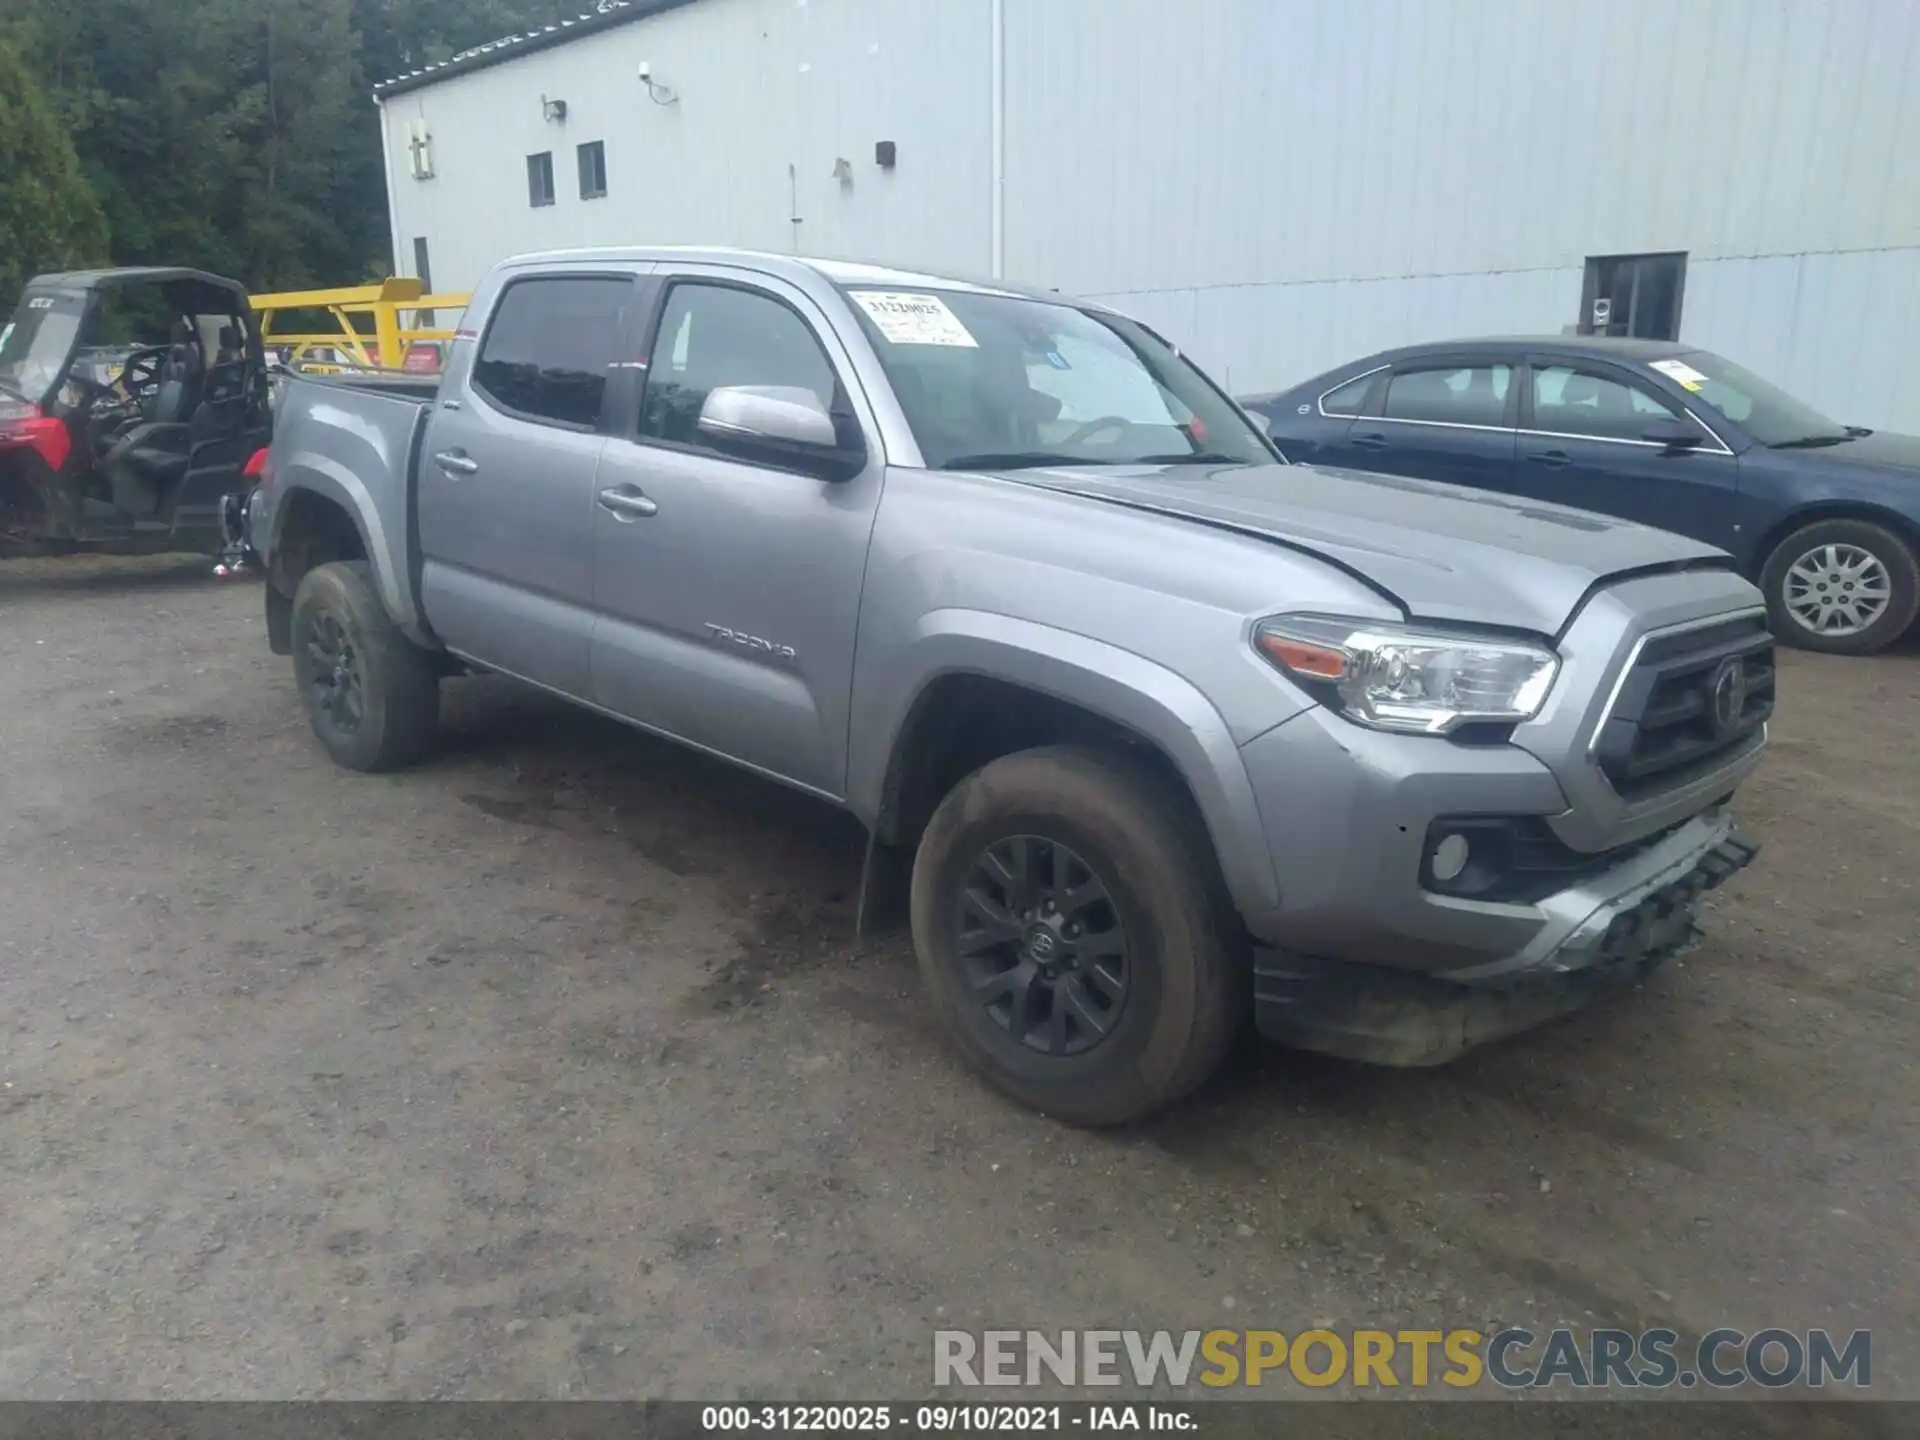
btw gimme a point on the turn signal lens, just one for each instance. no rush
(1319, 662)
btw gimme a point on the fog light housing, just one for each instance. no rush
(1467, 856)
(1450, 857)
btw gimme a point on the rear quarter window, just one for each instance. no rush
(1351, 398)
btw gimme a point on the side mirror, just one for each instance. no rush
(782, 425)
(1674, 434)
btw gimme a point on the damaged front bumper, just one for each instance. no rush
(1596, 938)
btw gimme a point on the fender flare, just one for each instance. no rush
(1135, 693)
(335, 482)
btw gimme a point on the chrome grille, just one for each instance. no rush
(1690, 697)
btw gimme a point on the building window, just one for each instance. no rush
(548, 348)
(1450, 395)
(540, 179)
(1637, 295)
(593, 170)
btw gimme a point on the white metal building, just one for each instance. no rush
(1279, 185)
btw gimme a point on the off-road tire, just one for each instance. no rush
(1140, 832)
(1893, 553)
(398, 681)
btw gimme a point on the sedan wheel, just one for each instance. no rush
(1838, 590)
(1845, 586)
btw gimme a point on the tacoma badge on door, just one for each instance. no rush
(750, 642)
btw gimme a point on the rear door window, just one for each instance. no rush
(1450, 394)
(550, 346)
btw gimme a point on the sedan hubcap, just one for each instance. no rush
(1837, 589)
(1043, 947)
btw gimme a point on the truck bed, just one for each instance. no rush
(354, 439)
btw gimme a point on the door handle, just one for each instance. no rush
(627, 503)
(454, 463)
(1552, 459)
(1372, 440)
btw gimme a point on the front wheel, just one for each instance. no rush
(1074, 933)
(372, 695)
(1848, 587)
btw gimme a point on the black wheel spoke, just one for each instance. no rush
(1020, 989)
(998, 928)
(1072, 902)
(1104, 944)
(1073, 998)
(1020, 874)
(1057, 1038)
(1106, 982)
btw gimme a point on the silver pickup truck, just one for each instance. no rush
(1150, 729)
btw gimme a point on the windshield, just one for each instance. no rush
(34, 349)
(1770, 415)
(999, 381)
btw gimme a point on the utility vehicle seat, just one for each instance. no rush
(151, 457)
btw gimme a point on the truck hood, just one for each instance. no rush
(1440, 551)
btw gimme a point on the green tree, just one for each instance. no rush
(49, 218)
(240, 136)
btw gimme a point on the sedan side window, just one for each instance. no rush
(717, 335)
(1570, 401)
(1450, 395)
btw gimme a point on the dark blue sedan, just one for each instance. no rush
(1824, 517)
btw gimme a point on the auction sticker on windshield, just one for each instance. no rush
(909, 319)
(1680, 373)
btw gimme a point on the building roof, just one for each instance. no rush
(608, 14)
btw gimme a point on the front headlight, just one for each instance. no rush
(1397, 677)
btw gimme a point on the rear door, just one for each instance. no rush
(1311, 424)
(1582, 443)
(506, 478)
(1440, 417)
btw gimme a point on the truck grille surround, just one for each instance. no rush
(1687, 699)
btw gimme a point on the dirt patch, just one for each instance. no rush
(551, 1069)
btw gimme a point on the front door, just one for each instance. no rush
(729, 591)
(1440, 419)
(1583, 443)
(506, 480)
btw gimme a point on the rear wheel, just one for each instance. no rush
(372, 696)
(1848, 587)
(1074, 933)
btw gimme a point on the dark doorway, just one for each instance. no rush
(1637, 295)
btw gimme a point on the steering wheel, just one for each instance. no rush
(1094, 427)
(140, 372)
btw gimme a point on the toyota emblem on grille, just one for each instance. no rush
(1728, 695)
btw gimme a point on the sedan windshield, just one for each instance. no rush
(1770, 415)
(997, 381)
(36, 346)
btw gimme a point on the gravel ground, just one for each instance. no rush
(550, 1070)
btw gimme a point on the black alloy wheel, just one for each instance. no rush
(1043, 945)
(335, 685)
